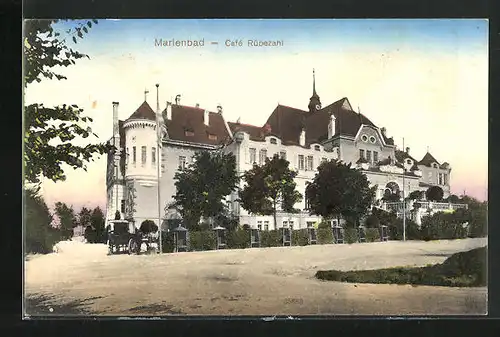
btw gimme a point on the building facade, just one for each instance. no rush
(304, 137)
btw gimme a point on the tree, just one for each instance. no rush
(40, 236)
(391, 196)
(45, 50)
(84, 217)
(67, 219)
(269, 187)
(97, 222)
(203, 185)
(338, 189)
(416, 195)
(434, 193)
(454, 199)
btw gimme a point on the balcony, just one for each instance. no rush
(426, 205)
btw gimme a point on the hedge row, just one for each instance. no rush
(240, 239)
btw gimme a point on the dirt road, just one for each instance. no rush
(82, 279)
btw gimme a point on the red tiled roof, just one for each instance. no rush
(144, 111)
(287, 123)
(428, 160)
(402, 156)
(185, 118)
(256, 132)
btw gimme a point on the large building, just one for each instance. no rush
(303, 137)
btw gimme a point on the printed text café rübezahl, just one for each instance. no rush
(227, 43)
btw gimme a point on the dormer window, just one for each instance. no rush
(408, 161)
(317, 148)
(435, 165)
(189, 133)
(274, 141)
(212, 137)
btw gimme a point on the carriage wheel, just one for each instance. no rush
(132, 247)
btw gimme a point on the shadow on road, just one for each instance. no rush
(42, 305)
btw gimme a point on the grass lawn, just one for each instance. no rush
(464, 269)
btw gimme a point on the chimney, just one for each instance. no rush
(407, 150)
(384, 132)
(219, 109)
(302, 138)
(205, 117)
(197, 105)
(177, 99)
(331, 126)
(116, 131)
(169, 111)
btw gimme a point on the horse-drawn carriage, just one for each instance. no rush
(123, 236)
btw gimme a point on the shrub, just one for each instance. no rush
(324, 224)
(270, 238)
(202, 240)
(324, 236)
(372, 234)
(239, 238)
(372, 221)
(40, 236)
(300, 237)
(434, 193)
(442, 226)
(396, 230)
(350, 235)
(167, 241)
(464, 269)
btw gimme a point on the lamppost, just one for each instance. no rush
(158, 163)
(404, 201)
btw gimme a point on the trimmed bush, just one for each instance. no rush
(300, 237)
(238, 239)
(372, 234)
(270, 238)
(167, 242)
(464, 269)
(350, 235)
(443, 226)
(396, 230)
(202, 240)
(372, 222)
(324, 236)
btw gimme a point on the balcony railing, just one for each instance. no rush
(435, 206)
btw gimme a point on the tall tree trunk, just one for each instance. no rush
(274, 215)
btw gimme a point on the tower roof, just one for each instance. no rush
(428, 160)
(314, 101)
(144, 111)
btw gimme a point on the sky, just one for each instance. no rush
(424, 80)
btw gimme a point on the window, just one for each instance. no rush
(375, 156)
(291, 225)
(143, 155)
(212, 137)
(182, 162)
(134, 155)
(259, 225)
(266, 225)
(274, 141)
(364, 138)
(153, 156)
(324, 160)
(122, 206)
(285, 224)
(434, 165)
(429, 175)
(301, 162)
(372, 140)
(310, 162)
(307, 202)
(283, 155)
(361, 153)
(317, 148)
(189, 133)
(126, 157)
(262, 156)
(440, 179)
(408, 161)
(369, 155)
(310, 224)
(445, 179)
(253, 156)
